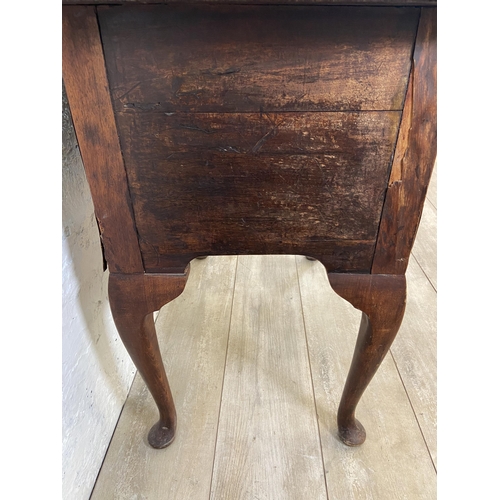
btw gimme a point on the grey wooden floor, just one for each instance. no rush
(257, 350)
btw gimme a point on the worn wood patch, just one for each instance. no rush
(340, 256)
(250, 58)
(414, 157)
(229, 203)
(364, 136)
(258, 183)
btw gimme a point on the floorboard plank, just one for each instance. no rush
(432, 189)
(424, 249)
(414, 351)
(193, 332)
(393, 463)
(268, 444)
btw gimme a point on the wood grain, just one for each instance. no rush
(193, 332)
(88, 95)
(369, 137)
(250, 183)
(257, 59)
(265, 204)
(414, 157)
(265, 2)
(340, 256)
(268, 443)
(393, 463)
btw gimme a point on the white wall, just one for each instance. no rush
(97, 371)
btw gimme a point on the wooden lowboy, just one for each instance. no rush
(231, 127)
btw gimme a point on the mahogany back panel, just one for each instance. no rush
(250, 130)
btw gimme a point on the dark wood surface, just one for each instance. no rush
(88, 96)
(414, 157)
(156, 136)
(382, 299)
(257, 59)
(250, 183)
(133, 299)
(422, 3)
(218, 158)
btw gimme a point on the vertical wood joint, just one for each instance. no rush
(414, 157)
(87, 88)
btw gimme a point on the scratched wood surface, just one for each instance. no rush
(398, 408)
(257, 59)
(258, 183)
(233, 132)
(414, 156)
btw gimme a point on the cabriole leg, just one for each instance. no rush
(133, 300)
(382, 300)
